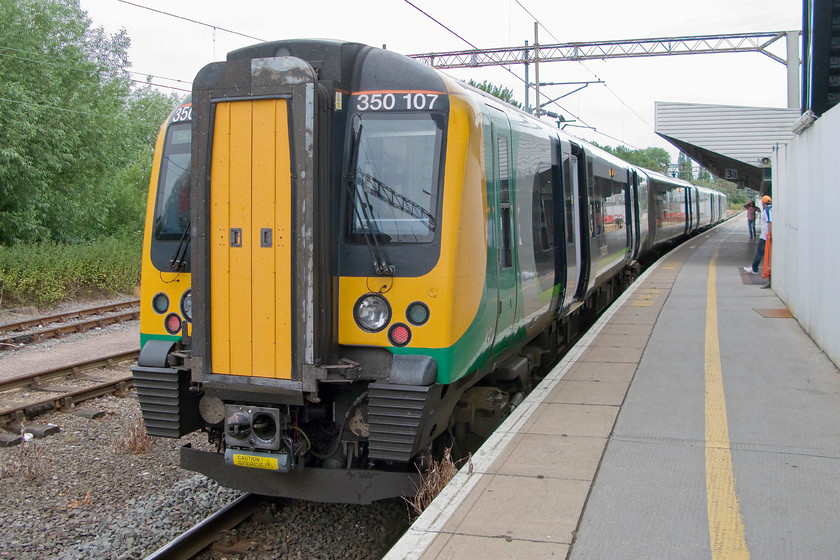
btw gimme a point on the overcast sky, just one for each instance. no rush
(622, 110)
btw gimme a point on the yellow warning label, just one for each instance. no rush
(269, 463)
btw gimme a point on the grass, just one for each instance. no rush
(437, 476)
(135, 441)
(45, 274)
(30, 462)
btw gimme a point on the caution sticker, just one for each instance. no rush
(268, 463)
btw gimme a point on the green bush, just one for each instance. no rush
(44, 274)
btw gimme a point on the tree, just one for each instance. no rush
(70, 125)
(684, 164)
(655, 159)
(500, 92)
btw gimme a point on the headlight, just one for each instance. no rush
(186, 305)
(372, 312)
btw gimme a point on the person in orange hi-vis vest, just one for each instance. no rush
(766, 229)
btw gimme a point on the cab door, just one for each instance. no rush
(250, 256)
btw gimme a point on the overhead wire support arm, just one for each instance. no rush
(584, 85)
(664, 46)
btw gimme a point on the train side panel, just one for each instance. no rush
(705, 210)
(667, 216)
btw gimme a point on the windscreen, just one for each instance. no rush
(397, 171)
(170, 235)
(172, 209)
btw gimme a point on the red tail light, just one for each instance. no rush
(399, 334)
(172, 323)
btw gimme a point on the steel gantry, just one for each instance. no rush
(631, 48)
(473, 58)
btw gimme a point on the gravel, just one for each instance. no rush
(81, 493)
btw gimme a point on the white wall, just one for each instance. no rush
(806, 230)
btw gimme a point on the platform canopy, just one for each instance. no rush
(734, 143)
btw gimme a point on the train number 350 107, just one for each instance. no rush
(396, 101)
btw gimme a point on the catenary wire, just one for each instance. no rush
(609, 89)
(511, 72)
(192, 21)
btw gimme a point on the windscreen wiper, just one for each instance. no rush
(394, 199)
(381, 266)
(178, 263)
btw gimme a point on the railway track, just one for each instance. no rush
(15, 335)
(268, 527)
(202, 535)
(25, 396)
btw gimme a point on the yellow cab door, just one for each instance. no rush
(251, 239)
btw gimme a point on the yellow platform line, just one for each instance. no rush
(726, 526)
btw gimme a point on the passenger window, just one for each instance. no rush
(546, 209)
(569, 192)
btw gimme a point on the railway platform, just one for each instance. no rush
(695, 420)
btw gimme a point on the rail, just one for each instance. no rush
(21, 333)
(66, 396)
(29, 324)
(202, 535)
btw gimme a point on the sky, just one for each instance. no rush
(621, 110)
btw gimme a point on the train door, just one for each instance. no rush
(641, 201)
(631, 203)
(574, 237)
(501, 206)
(688, 210)
(584, 221)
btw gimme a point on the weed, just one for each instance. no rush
(135, 441)
(6, 470)
(437, 476)
(32, 462)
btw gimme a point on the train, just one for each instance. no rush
(353, 261)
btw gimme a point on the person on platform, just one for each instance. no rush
(751, 211)
(766, 229)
